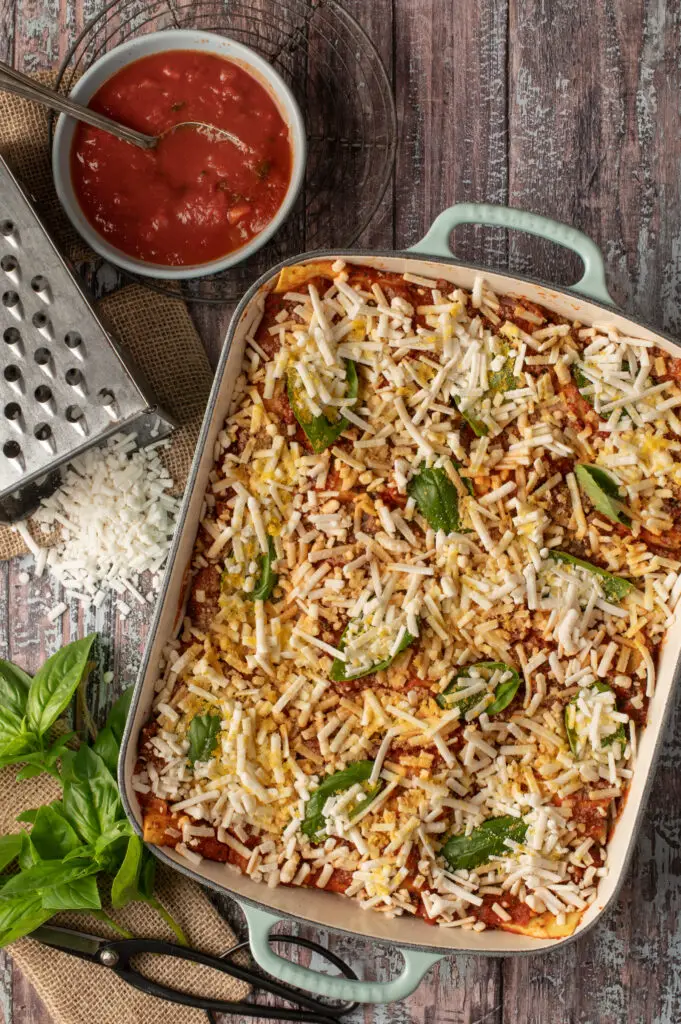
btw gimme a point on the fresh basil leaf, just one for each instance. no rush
(338, 667)
(118, 716)
(16, 738)
(581, 380)
(10, 847)
(504, 692)
(124, 888)
(203, 736)
(147, 875)
(620, 734)
(499, 381)
(52, 835)
(320, 432)
(14, 687)
(437, 499)
(55, 683)
(46, 875)
(313, 822)
(268, 579)
(21, 915)
(367, 801)
(28, 855)
(108, 749)
(91, 800)
(603, 492)
(83, 894)
(28, 816)
(615, 588)
(465, 480)
(485, 842)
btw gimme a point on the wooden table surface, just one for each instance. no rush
(567, 109)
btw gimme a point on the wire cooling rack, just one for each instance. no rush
(343, 91)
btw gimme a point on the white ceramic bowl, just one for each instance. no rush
(158, 42)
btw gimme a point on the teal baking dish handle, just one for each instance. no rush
(416, 964)
(591, 284)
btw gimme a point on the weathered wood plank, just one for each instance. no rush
(450, 80)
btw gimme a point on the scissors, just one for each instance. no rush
(115, 955)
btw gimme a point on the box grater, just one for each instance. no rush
(66, 383)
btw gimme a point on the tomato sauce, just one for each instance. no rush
(193, 198)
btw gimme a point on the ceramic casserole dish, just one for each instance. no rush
(420, 944)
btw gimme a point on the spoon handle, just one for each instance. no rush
(14, 81)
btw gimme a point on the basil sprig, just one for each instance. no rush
(582, 381)
(313, 822)
(437, 499)
(569, 716)
(485, 842)
(338, 673)
(504, 692)
(614, 587)
(319, 430)
(268, 579)
(203, 736)
(30, 707)
(603, 492)
(84, 834)
(499, 381)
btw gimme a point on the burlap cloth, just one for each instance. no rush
(156, 329)
(160, 335)
(76, 992)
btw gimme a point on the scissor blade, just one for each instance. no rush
(79, 943)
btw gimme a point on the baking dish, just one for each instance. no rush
(421, 945)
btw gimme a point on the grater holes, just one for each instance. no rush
(72, 339)
(8, 230)
(39, 283)
(74, 413)
(106, 396)
(74, 377)
(43, 357)
(12, 373)
(11, 449)
(12, 336)
(12, 302)
(42, 394)
(9, 263)
(43, 433)
(14, 416)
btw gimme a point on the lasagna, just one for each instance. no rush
(437, 556)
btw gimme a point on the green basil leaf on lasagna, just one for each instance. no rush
(320, 431)
(603, 492)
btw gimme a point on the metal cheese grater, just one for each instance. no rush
(66, 384)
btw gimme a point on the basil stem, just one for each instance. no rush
(484, 843)
(313, 822)
(504, 692)
(437, 499)
(614, 587)
(338, 673)
(603, 492)
(268, 579)
(203, 736)
(570, 714)
(320, 432)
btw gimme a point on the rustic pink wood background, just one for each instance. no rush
(564, 108)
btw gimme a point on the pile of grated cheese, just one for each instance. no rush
(116, 517)
(357, 560)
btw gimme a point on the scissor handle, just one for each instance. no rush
(117, 955)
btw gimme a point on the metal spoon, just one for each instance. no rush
(14, 81)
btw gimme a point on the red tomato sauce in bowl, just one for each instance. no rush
(193, 198)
